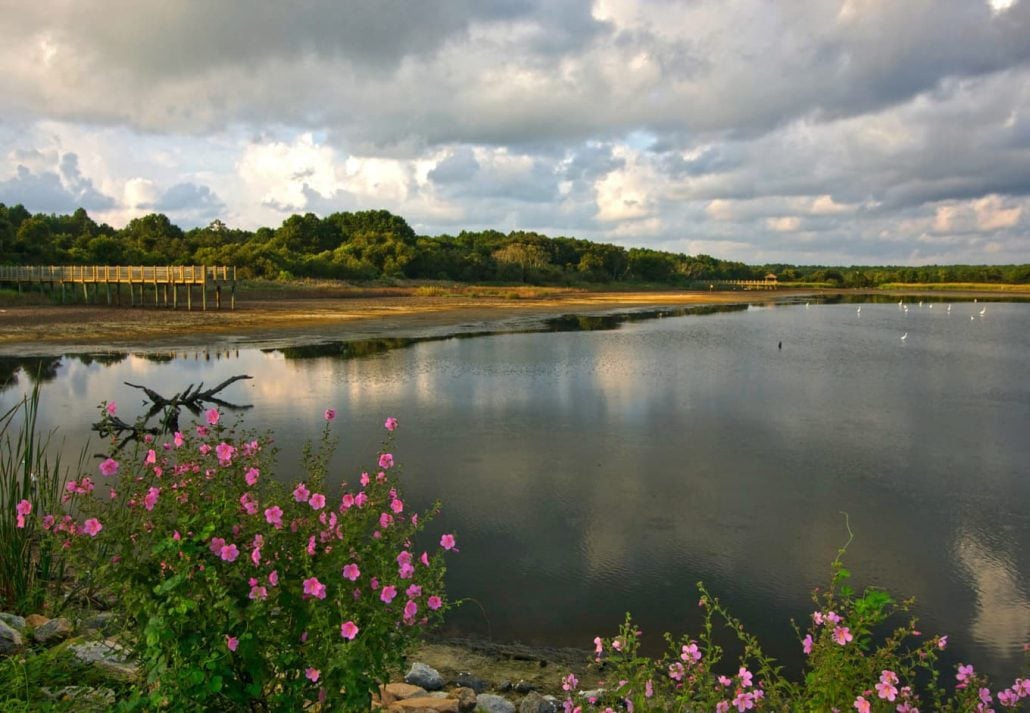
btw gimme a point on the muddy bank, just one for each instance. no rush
(266, 320)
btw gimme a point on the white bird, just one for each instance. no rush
(904, 336)
(949, 309)
(931, 306)
(859, 311)
(806, 305)
(972, 316)
(900, 302)
(906, 308)
(983, 311)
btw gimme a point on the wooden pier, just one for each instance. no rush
(165, 282)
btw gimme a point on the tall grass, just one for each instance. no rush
(29, 563)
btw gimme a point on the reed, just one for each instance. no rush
(29, 564)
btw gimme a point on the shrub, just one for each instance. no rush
(246, 593)
(852, 664)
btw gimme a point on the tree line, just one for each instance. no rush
(373, 244)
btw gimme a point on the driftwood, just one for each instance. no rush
(192, 399)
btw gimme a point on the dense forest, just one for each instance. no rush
(372, 244)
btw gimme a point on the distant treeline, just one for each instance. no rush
(368, 245)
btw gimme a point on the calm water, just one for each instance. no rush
(590, 473)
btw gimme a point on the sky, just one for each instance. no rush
(844, 132)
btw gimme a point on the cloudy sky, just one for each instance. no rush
(803, 131)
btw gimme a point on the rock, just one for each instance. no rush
(34, 621)
(494, 704)
(466, 699)
(468, 680)
(426, 703)
(53, 631)
(13, 620)
(535, 703)
(592, 695)
(105, 622)
(425, 676)
(10, 639)
(524, 687)
(107, 657)
(393, 692)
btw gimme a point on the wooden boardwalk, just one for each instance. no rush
(164, 282)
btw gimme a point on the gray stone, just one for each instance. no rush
(535, 703)
(593, 694)
(490, 703)
(105, 622)
(524, 687)
(53, 631)
(425, 676)
(468, 680)
(13, 620)
(10, 639)
(108, 658)
(466, 699)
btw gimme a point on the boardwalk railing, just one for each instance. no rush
(165, 281)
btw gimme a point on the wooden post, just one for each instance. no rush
(203, 287)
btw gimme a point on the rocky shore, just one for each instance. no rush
(446, 676)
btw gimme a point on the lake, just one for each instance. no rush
(605, 465)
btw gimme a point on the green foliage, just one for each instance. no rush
(367, 245)
(240, 591)
(863, 652)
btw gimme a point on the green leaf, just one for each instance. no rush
(215, 684)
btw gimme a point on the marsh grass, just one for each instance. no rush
(29, 564)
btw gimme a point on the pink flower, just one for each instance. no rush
(942, 642)
(317, 501)
(725, 681)
(216, 545)
(410, 610)
(388, 593)
(111, 408)
(886, 690)
(273, 578)
(274, 516)
(413, 591)
(178, 439)
(434, 602)
(364, 480)
(150, 499)
(832, 617)
(23, 508)
(151, 457)
(351, 572)
(232, 642)
(386, 461)
(204, 449)
(346, 502)
(314, 588)
(258, 592)
(676, 671)
(1008, 698)
(225, 453)
(349, 630)
(447, 542)
(109, 467)
(229, 553)
(964, 674)
(397, 506)
(301, 493)
(251, 476)
(212, 417)
(744, 701)
(255, 556)
(385, 520)
(312, 674)
(92, 527)
(691, 653)
(862, 705)
(249, 504)
(569, 683)
(817, 617)
(806, 645)
(330, 414)
(391, 424)
(842, 635)
(745, 677)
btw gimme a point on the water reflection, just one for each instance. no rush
(610, 467)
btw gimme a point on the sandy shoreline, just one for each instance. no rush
(265, 321)
(277, 318)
